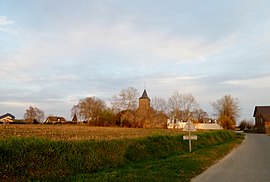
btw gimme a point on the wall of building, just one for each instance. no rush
(199, 126)
(267, 127)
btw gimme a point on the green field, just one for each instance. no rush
(53, 153)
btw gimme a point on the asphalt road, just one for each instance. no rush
(250, 162)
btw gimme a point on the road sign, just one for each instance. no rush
(192, 137)
(189, 126)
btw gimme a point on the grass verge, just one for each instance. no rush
(26, 159)
(180, 166)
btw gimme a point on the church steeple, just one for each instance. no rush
(144, 95)
(144, 101)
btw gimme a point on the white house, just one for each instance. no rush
(199, 126)
(7, 118)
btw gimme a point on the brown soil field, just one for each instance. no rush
(78, 132)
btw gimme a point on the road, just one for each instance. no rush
(250, 162)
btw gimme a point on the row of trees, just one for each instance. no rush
(94, 111)
(179, 106)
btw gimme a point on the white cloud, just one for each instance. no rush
(4, 25)
(256, 83)
(72, 51)
(15, 104)
(45, 49)
(127, 39)
(5, 20)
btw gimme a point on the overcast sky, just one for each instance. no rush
(55, 52)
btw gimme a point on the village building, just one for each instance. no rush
(55, 120)
(262, 119)
(199, 126)
(144, 117)
(7, 118)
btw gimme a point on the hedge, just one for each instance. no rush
(35, 158)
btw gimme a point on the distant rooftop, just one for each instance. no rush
(264, 111)
(6, 115)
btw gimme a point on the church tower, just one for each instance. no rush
(144, 101)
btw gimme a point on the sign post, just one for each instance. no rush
(189, 127)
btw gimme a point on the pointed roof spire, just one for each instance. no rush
(144, 95)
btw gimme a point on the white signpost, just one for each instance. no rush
(189, 127)
(192, 137)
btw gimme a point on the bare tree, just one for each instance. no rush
(33, 115)
(159, 104)
(89, 109)
(126, 99)
(182, 106)
(227, 110)
(200, 115)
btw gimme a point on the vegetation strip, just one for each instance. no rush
(37, 159)
(176, 167)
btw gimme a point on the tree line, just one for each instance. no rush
(178, 107)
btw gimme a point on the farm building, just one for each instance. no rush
(144, 117)
(262, 119)
(55, 120)
(7, 118)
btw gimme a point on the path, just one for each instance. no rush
(248, 163)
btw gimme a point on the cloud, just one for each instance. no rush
(5, 21)
(84, 49)
(131, 39)
(255, 83)
(98, 45)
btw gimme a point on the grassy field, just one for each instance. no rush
(84, 153)
(78, 132)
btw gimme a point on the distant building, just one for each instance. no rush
(55, 120)
(262, 119)
(211, 125)
(144, 117)
(7, 118)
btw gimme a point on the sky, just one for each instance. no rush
(55, 52)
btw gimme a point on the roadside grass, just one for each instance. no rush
(151, 158)
(179, 166)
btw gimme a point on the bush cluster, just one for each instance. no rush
(35, 158)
